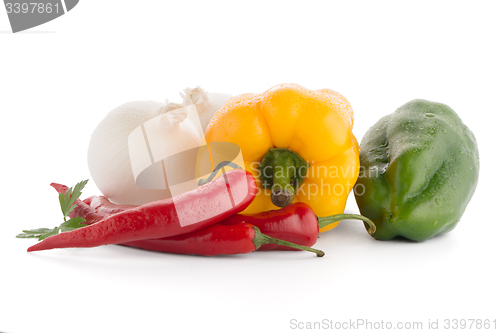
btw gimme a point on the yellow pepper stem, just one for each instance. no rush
(282, 171)
(326, 220)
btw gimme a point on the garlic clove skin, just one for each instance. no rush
(109, 157)
(172, 143)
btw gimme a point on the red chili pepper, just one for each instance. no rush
(190, 211)
(217, 239)
(102, 205)
(295, 223)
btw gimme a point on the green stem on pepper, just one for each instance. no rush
(282, 171)
(326, 220)
(261, 239)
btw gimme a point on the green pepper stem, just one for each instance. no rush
(282, 171)
(261, 239)
(324, 221)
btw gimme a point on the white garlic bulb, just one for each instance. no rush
(127, 149)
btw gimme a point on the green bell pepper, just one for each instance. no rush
(419, 168)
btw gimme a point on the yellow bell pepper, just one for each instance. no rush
(298, 144)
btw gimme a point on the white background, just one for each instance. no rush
(58, 80)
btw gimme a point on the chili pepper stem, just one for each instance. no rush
(326, 220)
(261, 239)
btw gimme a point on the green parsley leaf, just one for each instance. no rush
(40, 233)
(72, 224)
(67, 201)
(34, 233)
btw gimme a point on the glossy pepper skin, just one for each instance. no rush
(419, 169)
(214, 240)
(296, 223)
(217, 239)
(313, 125)
(204, 206)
